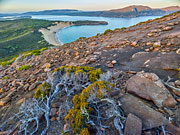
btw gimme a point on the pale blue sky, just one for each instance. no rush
(36, 5)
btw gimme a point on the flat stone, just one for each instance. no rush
(4, 101)
(157, 44)
(178, 51)
(114, 62)
(172, 129)
(177, 82)
(148, 87)
(33, 86)
(47, 70)
(66, 127)
(110, 65)
(133, 125)
(150, 118)
(94, 59)
(4, 132)
(2, 90)
(167, 28)
(177, 116)
(53, 112)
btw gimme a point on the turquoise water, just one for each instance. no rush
(72, 33)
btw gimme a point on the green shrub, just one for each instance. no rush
(24, 67)
(81, 103)
(25, 54)
(5, 63)
(7, 77)
(107, 31)
(93, 73)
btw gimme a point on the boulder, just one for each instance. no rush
(157, 44)
(150, 118)
(167, 28)
(149, 87)
(133, 125)
(114, 62)
(178, 51)
(173, 130)
(33, 86)
(177, 116)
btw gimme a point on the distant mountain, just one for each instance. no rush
(130, 11)
(140, 10)
(171, 9)
(52, 12)
(133, 8)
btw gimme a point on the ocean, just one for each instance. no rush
(72, 33)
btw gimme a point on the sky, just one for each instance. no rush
(37, 5)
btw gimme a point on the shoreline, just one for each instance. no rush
(50, 33)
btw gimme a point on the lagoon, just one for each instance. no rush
(72, 33)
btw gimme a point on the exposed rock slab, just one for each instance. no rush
(150, 118)
(148, 86)
(133, 125)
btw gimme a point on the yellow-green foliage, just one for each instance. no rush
(85, 132)
(81, 38)
(93, 73)
(24, 67)
(5, 63)
(25, 54)
(107, 31)
(7, 77)
(179, 71)
(80, 103)
(118, 29)
(42, 90)
(33, 52)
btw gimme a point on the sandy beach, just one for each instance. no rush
(50, 32)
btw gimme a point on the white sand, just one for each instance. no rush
(50, 33)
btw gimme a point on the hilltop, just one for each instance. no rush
(132, 8)
(171, 8)
(129, 11)
(113, 83)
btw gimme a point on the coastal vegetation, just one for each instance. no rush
(23, 56)
(24, 67)
(17, 36)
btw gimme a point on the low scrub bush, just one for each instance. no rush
(24, 67)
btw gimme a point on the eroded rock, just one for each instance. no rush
(148, 86)
(150, 118)
(133, 125)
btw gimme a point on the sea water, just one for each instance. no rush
(72, 33)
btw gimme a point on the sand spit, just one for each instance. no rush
(50, 32)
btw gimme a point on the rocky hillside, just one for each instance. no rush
(70, 88)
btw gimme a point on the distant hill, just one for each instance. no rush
(132, 8)
(130, 11)
(171, 9)
(140, 10)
